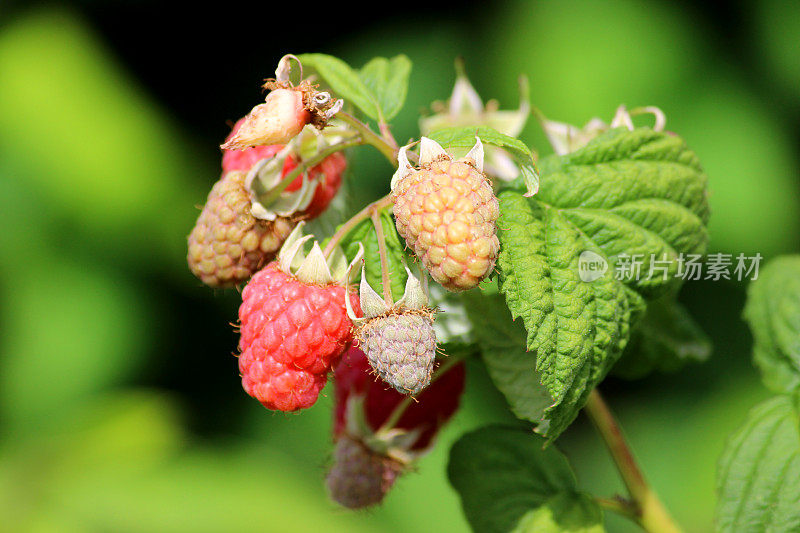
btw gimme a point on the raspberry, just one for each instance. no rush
(291, 333)
(228, 244)
(244, 160)
(398, 337)
(446, 211)
(368, 458)
(360, 477)
(285, 111)
(328, 172)
(280, 118)
(401, 347)
(433, 408)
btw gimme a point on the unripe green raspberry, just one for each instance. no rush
(446, 211)
(360, 477)
(401, 348)
(228, 244)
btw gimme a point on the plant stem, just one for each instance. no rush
(273, 194)
(387, 289)
(650, 513)
(401, 407)
(620, 506)
(345, 228)
(386, 133)
(369, 136)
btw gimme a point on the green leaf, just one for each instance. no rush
(465, 138)
(388, 81)
(563, 513)
(773, 312)
(665, 339)
(344, 81)
(452, 325)
(510, 365)
(364, 233)
(627, 192)
(758, 477)
(508, 481)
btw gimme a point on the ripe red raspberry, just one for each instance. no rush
(291, 334)
(328, 172)
(446, 211)
(228, 244)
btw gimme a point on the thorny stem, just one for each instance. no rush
(401, 407)
(387, 290)
(345, 228)
(647, 510)
(275, 192)
(370, 137)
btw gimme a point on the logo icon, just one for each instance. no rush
(591, 266)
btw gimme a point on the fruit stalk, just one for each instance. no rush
(345, 228)
(387, 290)
(369, 136)
(649, 512)
(275, 192)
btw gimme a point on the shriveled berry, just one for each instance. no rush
(360, 477)
(280, 118)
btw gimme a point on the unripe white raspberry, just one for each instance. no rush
(446, 211)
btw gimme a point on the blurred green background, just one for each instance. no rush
(120, 406)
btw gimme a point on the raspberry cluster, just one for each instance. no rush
(299, 316)
(228, 244)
